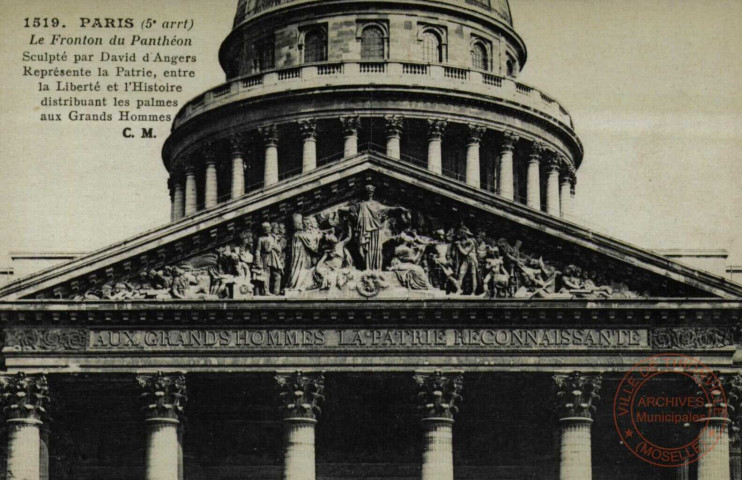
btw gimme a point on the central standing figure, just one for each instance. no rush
(370, 216)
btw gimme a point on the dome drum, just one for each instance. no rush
(253, 159)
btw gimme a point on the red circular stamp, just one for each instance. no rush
(663, 408)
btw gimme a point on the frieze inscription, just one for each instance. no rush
(424, 339)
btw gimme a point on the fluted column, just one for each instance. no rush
(210, 180)
(473, 139)
(191, 200)
(238, 167)
(351, 125)
(436, 128)
(301, 396)
(178, 196)
(533, 180)
(565, 190)
(576, 393)
(270, 139)
(553, 204)
(394, 128)
(163, 398)
(25, 399)
(506, 187)
(309, 137)
(439, 395)
(733, 389)
(713, 463)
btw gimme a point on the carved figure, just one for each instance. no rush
(464, 257)
(496, 279)
(440, 272)
(369, 217)
(333, 268)
(268, 263)
(304, 250)
(405, 263)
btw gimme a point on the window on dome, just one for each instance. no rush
(372, 43)
(510, 64)
(315, 46)
(479, 58)
(432, 51)
(265, 54)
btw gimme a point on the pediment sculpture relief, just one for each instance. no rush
(365, 249)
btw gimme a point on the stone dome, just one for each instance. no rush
(499, 9)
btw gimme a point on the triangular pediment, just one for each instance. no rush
(417, 236)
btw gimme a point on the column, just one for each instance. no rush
(713, 463)
(565, 190)
(25, 399)
(351, 125)
(163, 398)
(733, 389)
(238, 166)
(506, 187)
(576, 393)
(190, 190)
(533, 181)
(171, 189)
(210, 185)
(308, 130)
(473, 138)
(439, 395)
(436, 128)
(300, 397)
(178, 195)
(572, 191)
(394, 128)
(270, 139)
(553, 206)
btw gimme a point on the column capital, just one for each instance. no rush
(552, 161)
(509, 139)
(269, 134)
(308, 129)
(394, 125)
(236, 144)
(436, 127)
(575, 394)
(24, 397)
(566, 169)
(439, 393)
(351, 125)
(209, 155)
(163, 396)
(301, 394)
(474, 133)
(538, 150)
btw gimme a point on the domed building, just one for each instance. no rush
(371, 271)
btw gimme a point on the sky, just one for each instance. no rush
(652, 86)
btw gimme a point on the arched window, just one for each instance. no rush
(432, 51)
(510, 66)
(479, 58)
(315, 46)
(372, 43)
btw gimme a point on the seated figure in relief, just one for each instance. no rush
(333, 269)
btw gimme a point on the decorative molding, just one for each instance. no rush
(691, 338)
(24, 396)
(439, 394)
(163, 396)
(301, 394)
(576, 394)
(46, 340)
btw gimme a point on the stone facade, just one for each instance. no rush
(366, 228)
